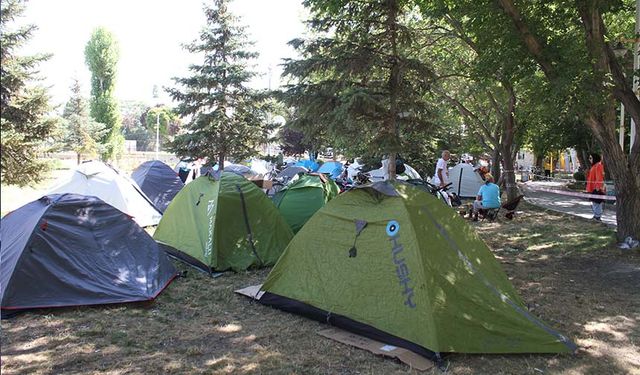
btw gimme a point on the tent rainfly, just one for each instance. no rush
(289, 172)
(332, 168)
(158, 181)
(402, 268)
(223, 221)
(298, 201)
(94, 178)
(465, 180)
(72, 250)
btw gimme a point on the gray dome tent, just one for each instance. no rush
(289, 172)
(72, 250)
(158, 181)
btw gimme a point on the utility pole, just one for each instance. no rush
(155, 97)
(157, 134)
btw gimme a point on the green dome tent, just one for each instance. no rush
(223, 223)
(402, 268)
(301, 199)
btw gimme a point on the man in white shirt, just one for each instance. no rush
(441, 177)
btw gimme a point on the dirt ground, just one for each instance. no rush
(567, 269)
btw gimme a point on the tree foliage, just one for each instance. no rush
(23, 118)
(224, 118)
(569, 44)
(101, 56)
(82, 133)
(360, 81)
(167, 122)
(292, 141)
(133, 117)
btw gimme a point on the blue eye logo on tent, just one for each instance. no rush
(392, 228)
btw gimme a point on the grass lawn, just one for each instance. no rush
(567, 269)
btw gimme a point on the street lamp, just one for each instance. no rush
(157, 134)
(155, 97)
(619, 50)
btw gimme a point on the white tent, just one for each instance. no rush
(465, 180)
(383, 173)
(261, 167)
(97, 179)
(240, 169)
(188, 170)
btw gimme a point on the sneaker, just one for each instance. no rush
(597, 218)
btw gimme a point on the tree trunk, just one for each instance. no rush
(507, 145)
(583, 158)
(509, 175)
(394, 85)
(78, 158)
(623, 168)
(221, 157)
(627, 180)
(495, 164)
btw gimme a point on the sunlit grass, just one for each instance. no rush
(567, 271)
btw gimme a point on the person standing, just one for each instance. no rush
(595, 185)
(441, 176)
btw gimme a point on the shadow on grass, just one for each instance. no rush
(566, 269)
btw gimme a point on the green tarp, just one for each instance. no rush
(301, 199)
(224, 223)
(401, 266)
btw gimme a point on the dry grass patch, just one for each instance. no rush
(565, 268)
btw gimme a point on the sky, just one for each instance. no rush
(150, 34)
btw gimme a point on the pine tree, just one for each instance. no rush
(24, 124)
(83, 134)
(101, 56)
(360, 76)
(225, 117)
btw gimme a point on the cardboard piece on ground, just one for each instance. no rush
(412, 359)
(261, 183)
(252, 291)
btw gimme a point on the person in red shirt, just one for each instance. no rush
(595, 185)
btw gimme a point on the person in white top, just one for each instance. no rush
(441, 177)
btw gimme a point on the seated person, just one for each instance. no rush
(488, 196)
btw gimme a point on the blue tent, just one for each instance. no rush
(158, 181)
(332, 168)
(72, 250)
(311, 165)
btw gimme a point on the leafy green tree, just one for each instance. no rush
(599, 73)
(360, 79)
(488, 97)
(23, 119)
(569, 43)
(133, 113)
(101, 56)
(82, 132)
(225, 117)
(133, 117)
(292, 141)
(167, 121)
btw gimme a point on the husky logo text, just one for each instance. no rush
(210, 212)
(402, 270)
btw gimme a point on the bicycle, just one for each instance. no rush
(439, 192)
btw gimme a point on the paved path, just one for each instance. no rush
(571, 205)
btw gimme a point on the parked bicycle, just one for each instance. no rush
(440, 192)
